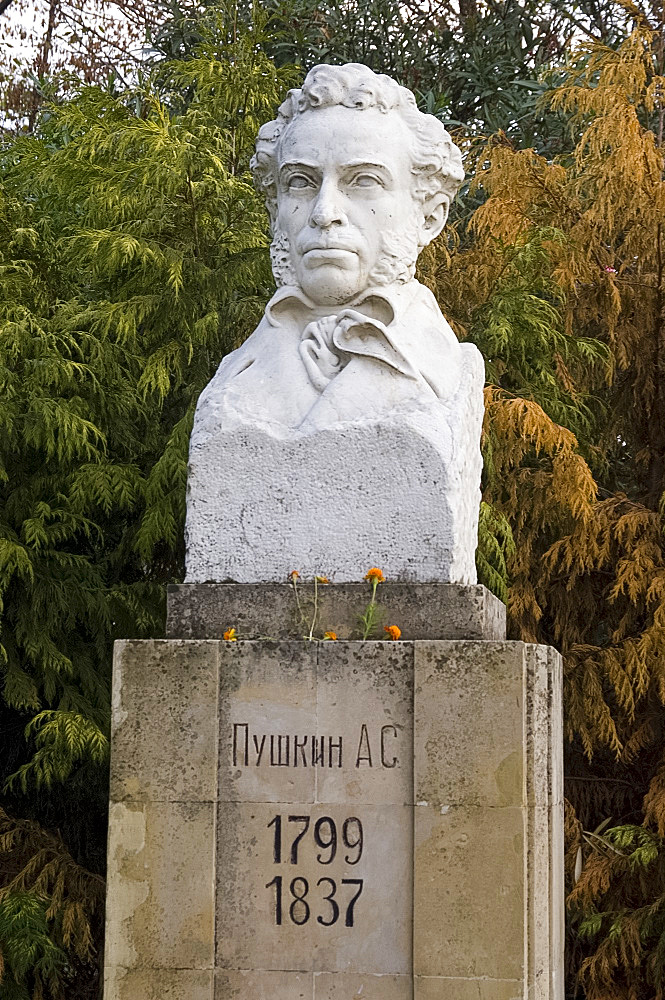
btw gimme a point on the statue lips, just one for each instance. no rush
(322, 254)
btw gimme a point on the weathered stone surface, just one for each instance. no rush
(469, 724)
(365, 690)
(248, 936)
(356, 700)
(487, 758)
(236, 984)
(359, 694)
(241, 984)
(540, 918)
(422, 611)
(160, 903)
(346, 986)
(158, 984)
(442, 988)
(448, 754)
(556, 914)
(164, 735)
(266, 690)
(288, 505)
(469, 893)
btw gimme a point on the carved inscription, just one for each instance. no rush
(372, 746)
(319, 863)
(327, 899)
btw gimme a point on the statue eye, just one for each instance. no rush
(299, 181)
(366, 181)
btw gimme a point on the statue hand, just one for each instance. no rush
(321, 362)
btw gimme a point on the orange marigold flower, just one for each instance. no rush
(322, 579)
(330, 635)
(294, 575)
(375, 574)
(230, 635)
(394, 632)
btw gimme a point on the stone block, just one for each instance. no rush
(537, 737)
(160, 903)
(443, 988)
(555, 674)
(261, 926)
(544, 756)
(555, 825)
(539, 913)
(469, 724)
(365, 691)
(267, 692)
(556, 897)
(488, 744)
(158, 984)
(233, 984)
(401, 493)
(355, 700)
(469, 892)
(164, 735)
(349, 986)
(258, 610)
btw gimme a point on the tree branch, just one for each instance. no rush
(70, 17)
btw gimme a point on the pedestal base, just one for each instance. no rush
(257, 610)
(300, 820)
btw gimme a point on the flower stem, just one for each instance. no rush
(316, 608)
(295, 591)
(368, 618)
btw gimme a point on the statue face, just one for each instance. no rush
(344, 182)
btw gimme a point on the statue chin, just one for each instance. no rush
(331, 285)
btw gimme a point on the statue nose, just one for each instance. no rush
(327, 209)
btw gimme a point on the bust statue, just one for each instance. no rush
(345, 431)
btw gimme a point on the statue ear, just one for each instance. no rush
(435, 211)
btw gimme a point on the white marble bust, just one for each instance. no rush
(350, 419)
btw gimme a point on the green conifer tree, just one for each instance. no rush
(133, 255)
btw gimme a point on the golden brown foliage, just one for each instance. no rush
(562, 285)
(589, 568)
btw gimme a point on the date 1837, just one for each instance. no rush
(295, 902)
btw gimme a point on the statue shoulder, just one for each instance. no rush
(232, 364)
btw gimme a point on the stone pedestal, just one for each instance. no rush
(335, 820)
(422, 610)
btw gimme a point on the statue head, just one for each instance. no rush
(357, 181)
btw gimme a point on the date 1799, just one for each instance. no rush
(296, 903)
